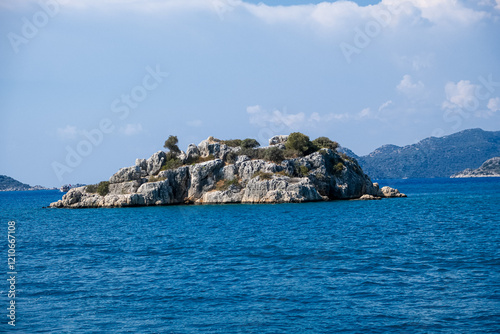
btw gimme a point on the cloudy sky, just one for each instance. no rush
(88, 86)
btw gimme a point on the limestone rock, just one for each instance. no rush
(156, 193)
(122, 188)
(192, 151)
(280, 190)
(276, 140)
(127, 174)
(367, 197)
(155, 162)
(203, 177)
(390, 192)
(248, 168)
(142, 163)
(232, 195)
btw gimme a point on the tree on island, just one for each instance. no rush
(301, 143)
(249, 143)
(325, 142)
(171, 144)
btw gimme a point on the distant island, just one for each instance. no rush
(9, 184)
(490, 168)
(291, 169)
(431, 157)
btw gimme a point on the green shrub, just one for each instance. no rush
(156, 179)
(263, 175)
(300, 142)
(303, 170)
(223, 185)
(249, 143)
(338, 168)
(232, 142)
(91, 188)
(171, 144)
(103, 188)
(274, 154)
(213, 139)
(171, 162)
(231, 157)
(325, 142)
(291, 154)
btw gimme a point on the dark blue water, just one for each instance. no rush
(426, 263)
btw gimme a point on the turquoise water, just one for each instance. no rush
(426, 263)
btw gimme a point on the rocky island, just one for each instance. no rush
(291, 169)
(9, 184)
(490, 168)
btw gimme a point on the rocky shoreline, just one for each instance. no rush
(221, 174)
(490, 168)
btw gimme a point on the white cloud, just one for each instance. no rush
(131, 129)
(69, 132)
(442, 11)
(195, 123)
(498, 5)
(465, 97)
(385, 105)
(461, 95)
(410, 88)
(365, 113)
(330, 15)
(494, 104)
(264, 118)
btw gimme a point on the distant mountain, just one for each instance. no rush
(433, 157)
(9, 184)
(490, 168)
(347, 151)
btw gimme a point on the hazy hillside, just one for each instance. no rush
(9, 184)
(433, 157)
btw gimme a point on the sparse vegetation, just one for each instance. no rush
(231, 157)
(291, 154)
(338, 168)
(232, 142)
(91, 188)
(325, 142)
(102, 188)
(301, 143)
(171, 162)
(223, 185)
(274, 154)
(263, 175)
(282, 173)
(156, 179)
(303, 170)
(171, 144)
(249, 143)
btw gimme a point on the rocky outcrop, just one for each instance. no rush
(320, 176)
(278, 140)
(490, 168)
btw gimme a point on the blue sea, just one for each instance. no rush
(429, 263)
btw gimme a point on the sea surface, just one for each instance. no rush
(429, 263)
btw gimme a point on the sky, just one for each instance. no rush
(87, 87)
